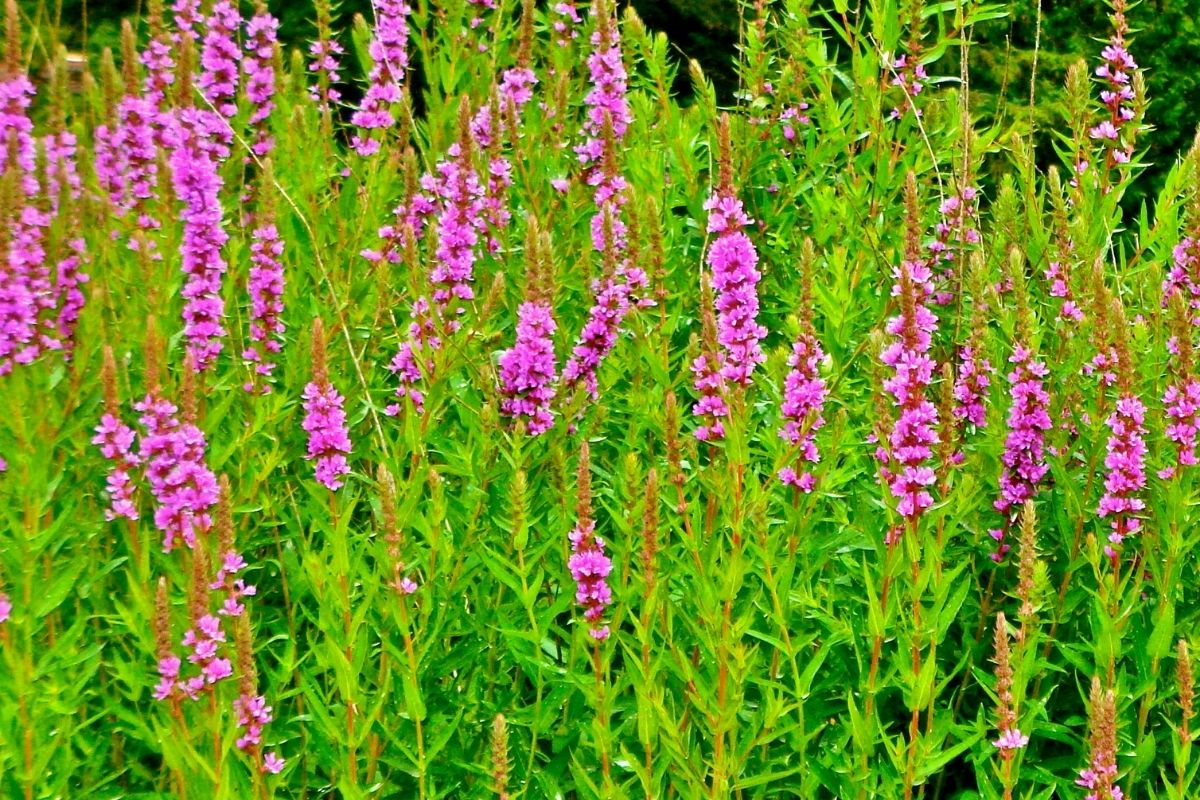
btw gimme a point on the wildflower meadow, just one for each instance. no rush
(470, 401)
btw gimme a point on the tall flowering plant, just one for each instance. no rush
(325, 419)
(527, 371)
(910, 441)
(389, 57)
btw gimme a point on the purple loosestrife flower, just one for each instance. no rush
(914, 433)
(495, 202)
(158, 59)
(970, 388)
(1181, 401)
(566, 22)
(409, 219)
(599, 334)
(1060, 286)
(516, 87)
(1184, 275)
(173, 454)
(137, 140)
(220, 61)
(457, 199)
(328, 438)
(606, 101)
(325, 55)
(197, 183)
(1118, 96)
(26, 290)
(955, 232)
(69, 278)
(910, 442)
(168, 673)
(235, 588)
(590, 566)
(325, 419)
(253, 714)
(527, 371)
(711, 408)
(108, 161)
(1125, 465)
(1024, 456)
(62, 169)
(423, 341)
(459, 194)
(258, 68)
(116, 440)
(804, 393)
(1182, 404)
(389, 60)
(325, 52)
(910, 77)
(1100, 776)
(266, 304)
(608, 118)
(205, 639)
(17, 147)
(188, 20)
(733, 262)
(6, 608)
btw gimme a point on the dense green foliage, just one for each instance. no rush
(765, 641)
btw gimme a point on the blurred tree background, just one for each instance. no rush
(1165, 42)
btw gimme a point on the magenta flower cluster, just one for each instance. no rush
(804, 393)
(197, 183)
(136, 139)
(1125, 477)
(711, 408)
(566, 23)
(389, 60)
(910, 77)
(1184, 274)
(253, 714)
(325, 63)
(971, 388)
(328, 436)
(527, 371)
(910, 442)
(599, 334)
(266, 305)
(183, 487)
(1024, 456)
(590, 567)
(159, 62)
(1117, 96)
(189, 21)
(458, 197)
(16, 95)
(220, 62)
(733, 262)
(1101, 775)
(607, 120)
(258, 68)
(116, 442)
(1182, 407)
(955, 231)
(606, 101)
(1057, 275)
(1011, 739)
